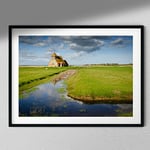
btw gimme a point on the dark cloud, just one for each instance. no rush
(33, 40)
(70, 38)
(77, 43)
(83, 43)
(28, 39)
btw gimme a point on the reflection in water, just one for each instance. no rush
(51, 100)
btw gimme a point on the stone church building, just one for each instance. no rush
(57, 61)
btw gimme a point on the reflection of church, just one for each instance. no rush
(57, 61)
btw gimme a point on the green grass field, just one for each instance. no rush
(32, 76)
(110, 83)
(102, 83)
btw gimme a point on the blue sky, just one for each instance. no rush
(77, 50)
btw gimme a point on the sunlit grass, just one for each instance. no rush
(87, 84)
(32, 76)
(101, 83)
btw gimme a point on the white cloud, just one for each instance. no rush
(76, 55)
(40, 44)
(117, 41)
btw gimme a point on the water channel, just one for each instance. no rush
(50, 99)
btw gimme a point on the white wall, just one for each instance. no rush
(95, 12)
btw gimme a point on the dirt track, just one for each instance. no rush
(64, 75)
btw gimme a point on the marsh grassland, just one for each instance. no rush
(32, 76)
(109, 84)
(89, 84)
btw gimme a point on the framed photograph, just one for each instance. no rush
(76, 75)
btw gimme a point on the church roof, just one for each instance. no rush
(58, 59)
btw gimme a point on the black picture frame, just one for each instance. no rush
(138, 33)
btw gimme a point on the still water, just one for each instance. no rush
(51, 100)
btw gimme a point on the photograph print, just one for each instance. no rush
(75, 75)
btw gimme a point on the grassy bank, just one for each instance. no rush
(112, 84)
(32, 76)
(109, 84)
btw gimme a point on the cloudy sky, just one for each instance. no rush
(77, 50)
